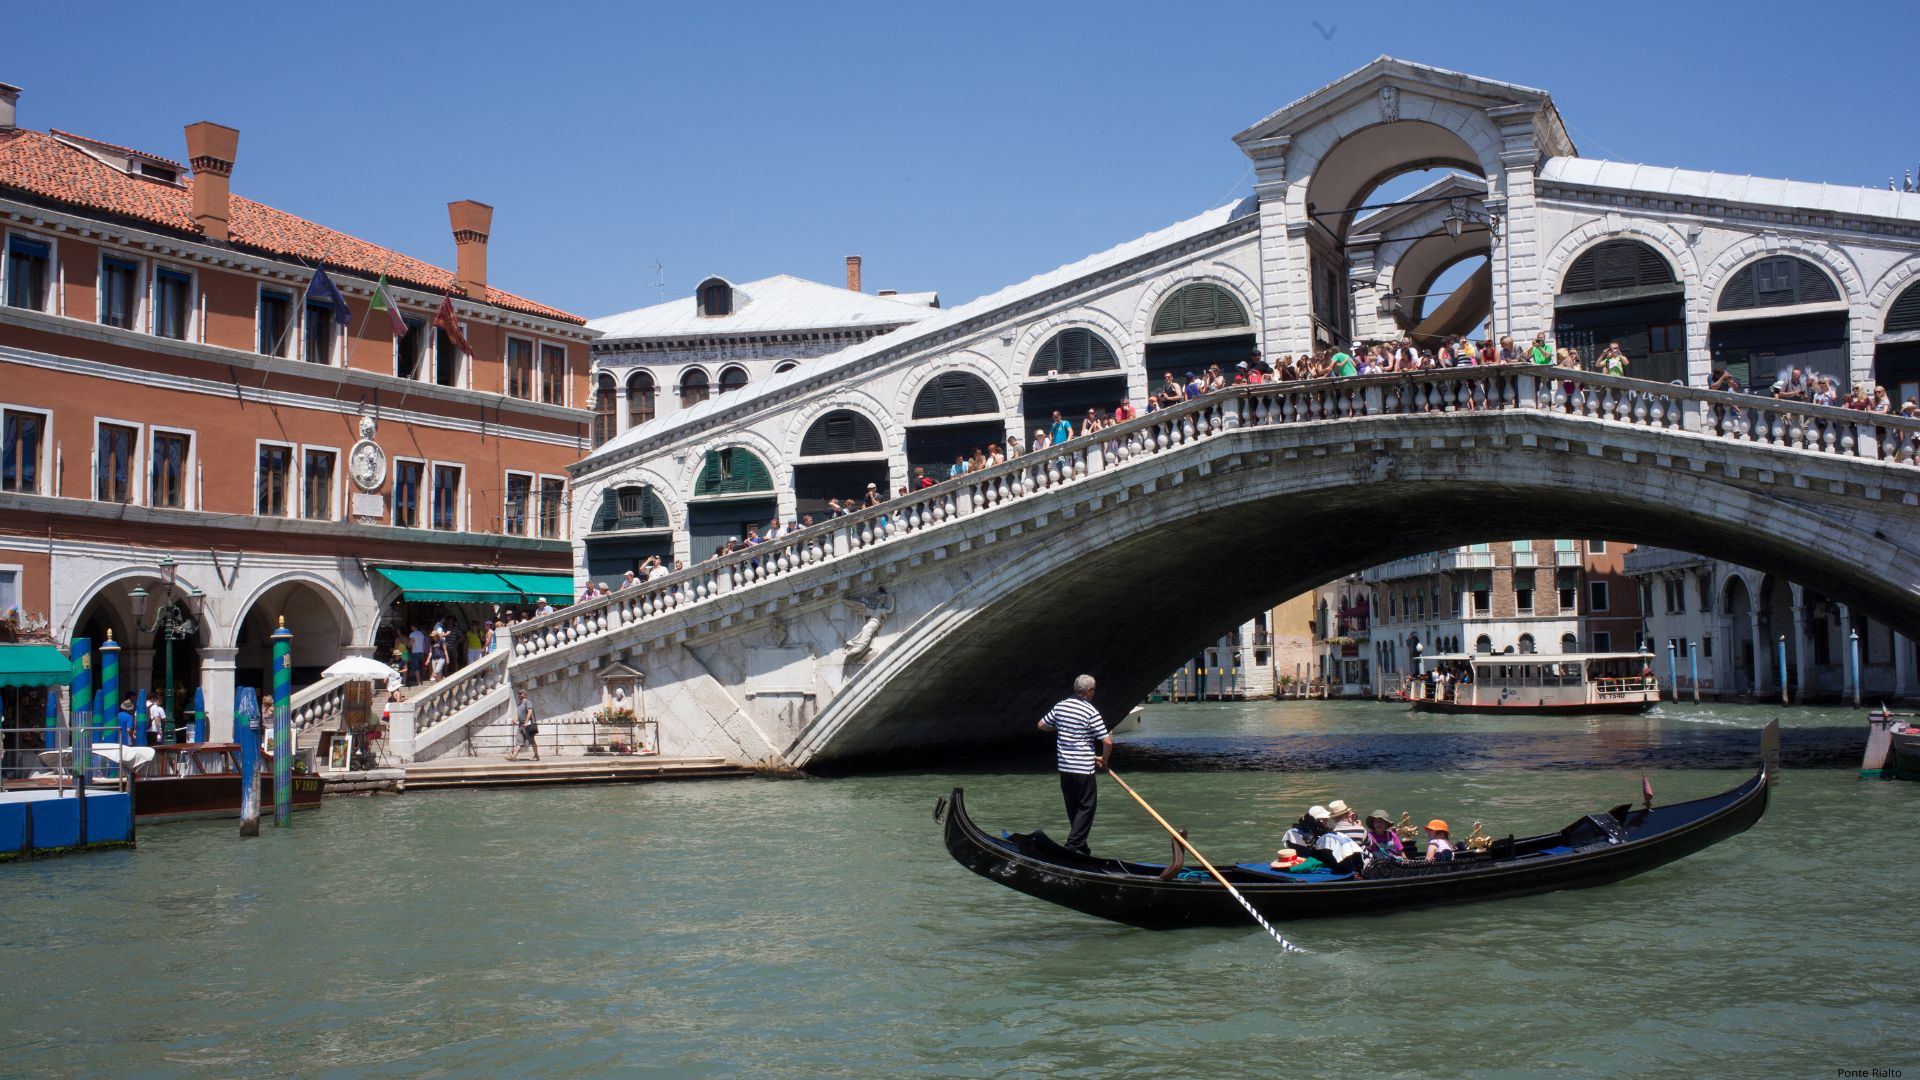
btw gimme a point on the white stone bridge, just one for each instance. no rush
(953, 616)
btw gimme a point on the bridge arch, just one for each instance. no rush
(1592, 317)
(1216, 302)
(1070, 363)
(915, 392)
(1836, 341)
(838, 446)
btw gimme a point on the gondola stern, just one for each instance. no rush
(1770, 752)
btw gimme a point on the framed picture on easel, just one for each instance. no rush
(339, 751)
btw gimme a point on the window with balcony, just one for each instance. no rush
(25, 434)
(172, 302)
(553, 498)
(29, 271)
(1523, 600)
(119, 292)
(519, 368)
(553, 374)
(519, 492)
(317, 484)
(446, 497)
(409, 348)
(272, 476)
(113, 470)
(276, 322)
(168, 475)
(407, 479)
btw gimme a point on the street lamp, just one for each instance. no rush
(171, 623)
(1459, 213)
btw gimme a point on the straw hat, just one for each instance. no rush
(1318, 813)
(1436, 825)
(1337, 808)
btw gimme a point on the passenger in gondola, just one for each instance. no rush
(1346, 822)
(1439, 842)
(1315, 835)
(1382, 842)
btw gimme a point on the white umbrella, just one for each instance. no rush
(127, 757)
(359, 667)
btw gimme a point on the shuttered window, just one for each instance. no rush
(733, 471)
(604, 423)
(640, 398)
(1904, 316)
(1199, 306)
(841, 432)
(716, 298)
(954, 393)
(633, 507)
(1617, 264)
(1074, 351)
(733, 378)
(1780, 281)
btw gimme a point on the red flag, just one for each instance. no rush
(445, 320)
(1646, 790)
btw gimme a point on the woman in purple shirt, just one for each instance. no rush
(1381, 839)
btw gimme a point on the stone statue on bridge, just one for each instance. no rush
(877, 606)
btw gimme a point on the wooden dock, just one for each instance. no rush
(483, 772)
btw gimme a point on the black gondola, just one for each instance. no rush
(1594, 850)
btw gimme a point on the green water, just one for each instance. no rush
(818, 928)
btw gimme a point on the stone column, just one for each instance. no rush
(1284, 325)
(1846, 654)
(1802, 642)
(1903, 666)
(400, 731)
(1762, 656)
(216, 684)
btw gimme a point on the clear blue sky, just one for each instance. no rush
(957, 147)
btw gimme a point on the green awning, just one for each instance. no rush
(557, 588)
(452, 586)
(33, 665)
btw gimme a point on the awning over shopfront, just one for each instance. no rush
(451, 586)
(557, 588)
(33, 665)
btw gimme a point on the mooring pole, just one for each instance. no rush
(1693, 664)
(282, 726)
(1673, 673)
(1853, 637)
(246, 731)
(1783, 669)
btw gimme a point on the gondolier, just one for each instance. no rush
(1081, 746)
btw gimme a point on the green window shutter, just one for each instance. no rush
(1779, 281)
(841, 432)
(1074, 351)
(1199, 306)
(733, 471)
(1617, 264)
(1904, 316)
(954, 393)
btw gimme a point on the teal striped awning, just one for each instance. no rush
(557, 588)
(451, 586)
(33, 665)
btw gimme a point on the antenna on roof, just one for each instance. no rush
(660, 275)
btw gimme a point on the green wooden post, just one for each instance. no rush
(109, 690)
(80, 695)
(282, 726)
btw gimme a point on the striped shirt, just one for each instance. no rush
(1077, 731)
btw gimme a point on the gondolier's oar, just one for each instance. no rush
(1181, 839)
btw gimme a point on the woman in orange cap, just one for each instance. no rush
(1439, 842)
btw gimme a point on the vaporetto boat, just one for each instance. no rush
(1534, 683)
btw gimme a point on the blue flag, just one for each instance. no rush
(323, 289)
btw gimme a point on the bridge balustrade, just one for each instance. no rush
(1570, 392)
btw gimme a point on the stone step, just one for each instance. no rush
(595, 768)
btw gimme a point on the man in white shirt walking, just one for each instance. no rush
(1081, 748)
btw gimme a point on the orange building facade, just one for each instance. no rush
(180, 416)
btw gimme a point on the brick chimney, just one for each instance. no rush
(853, 273)
(471, 223)
(210, 150)
(9, 106)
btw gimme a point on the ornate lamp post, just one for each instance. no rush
(171, 623)
(1459, 213)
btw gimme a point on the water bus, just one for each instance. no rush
(1534, 683)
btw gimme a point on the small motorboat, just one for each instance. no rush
(1594, 850)
(1893, 746)
(1534, 683)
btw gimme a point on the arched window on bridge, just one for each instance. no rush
(605, 402)
(1896, 364)
(839, 434)
(1197, 325)
(954, 413)
(1625, 290)
(1759, 346)
(1198, 307)
(733, 378)
(785, 366)
(1777, 281)
(694, 387)
(733, 492)
(1073, 351)
(639, 519)
(641, 398)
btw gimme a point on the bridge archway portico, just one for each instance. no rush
(1317, 158)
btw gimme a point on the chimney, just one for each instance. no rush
(210, 150)
(9, 106)
(853, 273)
(471, 223)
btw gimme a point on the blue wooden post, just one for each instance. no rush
(109, 686)
(80, 695)
(1693, 664)
(1853, 638)
(199, 715)
(138, 736)
(246, 731)
(1673, 672)
(282, 726)
(1783, 669)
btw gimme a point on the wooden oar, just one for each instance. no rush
(1181, 839)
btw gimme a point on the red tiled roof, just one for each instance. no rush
(41, 165)
(127, 150)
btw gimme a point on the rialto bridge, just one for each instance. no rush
(946, 616)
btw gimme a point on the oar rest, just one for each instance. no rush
(1593, 832)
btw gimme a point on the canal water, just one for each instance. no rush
(818, 928)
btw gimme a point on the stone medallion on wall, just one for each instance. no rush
(367, 465)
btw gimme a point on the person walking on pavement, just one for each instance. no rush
(526, 727)
(1081, 748)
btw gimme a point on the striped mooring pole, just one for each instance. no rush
(282, 726)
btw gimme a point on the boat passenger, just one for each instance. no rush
(1382, 841)
(1439, 842)
(1314, 834)
(1346, 822)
